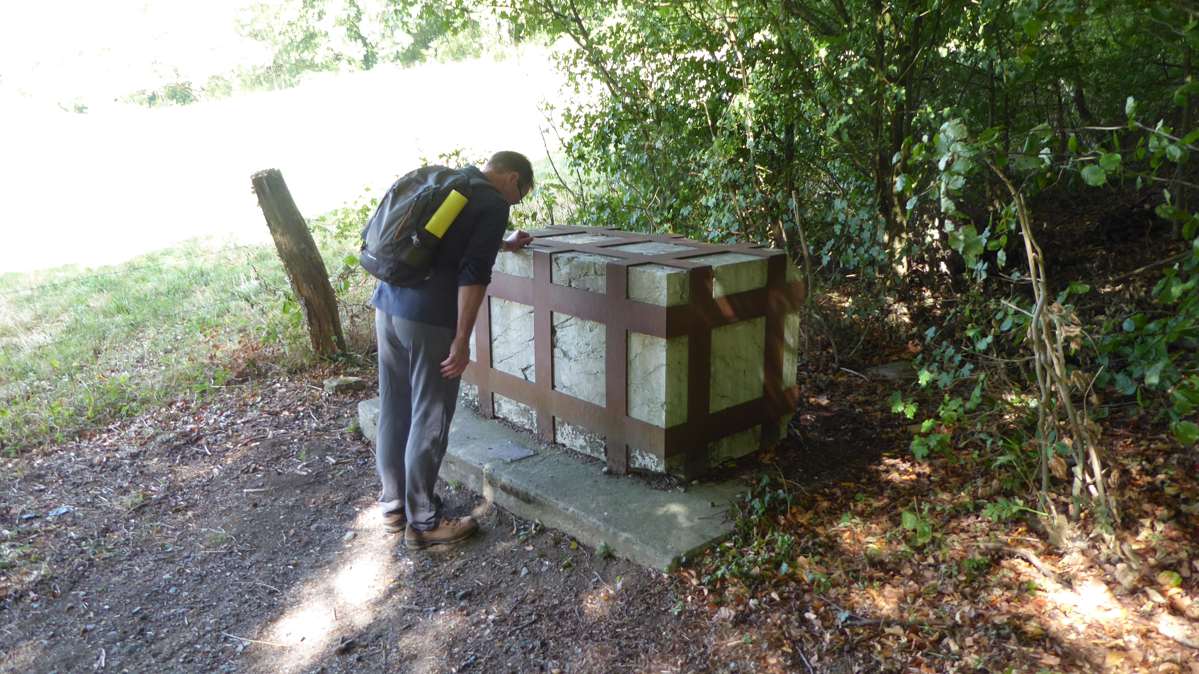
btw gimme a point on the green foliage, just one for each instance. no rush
(174, 93)
(307, 36)
(918, 525)
(1003, 509)
(901, 406)
(757, 547)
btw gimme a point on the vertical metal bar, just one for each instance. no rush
(699, 375)
(543, 347)
(776, 279)
(616, 369)
(483, 360)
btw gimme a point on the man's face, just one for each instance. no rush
(514, 188)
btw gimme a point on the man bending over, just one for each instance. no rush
(424, 332)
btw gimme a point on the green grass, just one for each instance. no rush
(81, 347)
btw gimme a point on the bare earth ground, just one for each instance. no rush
(238, 534)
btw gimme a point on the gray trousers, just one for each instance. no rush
(416, 405)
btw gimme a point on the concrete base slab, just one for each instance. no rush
(654, 528)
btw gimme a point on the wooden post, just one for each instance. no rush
(302, 260)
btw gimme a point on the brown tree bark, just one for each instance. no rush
(305, 268)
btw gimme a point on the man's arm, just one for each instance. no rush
(470, 298)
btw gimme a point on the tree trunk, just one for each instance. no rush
(301, 259)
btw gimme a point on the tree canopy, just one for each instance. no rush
(904, 151)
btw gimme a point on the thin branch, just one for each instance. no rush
(1152, 265)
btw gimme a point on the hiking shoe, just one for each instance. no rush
(395, 522)
(448, 530)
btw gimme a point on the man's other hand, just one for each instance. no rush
(516, 240)
(453, 366)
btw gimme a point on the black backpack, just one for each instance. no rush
(400, 241)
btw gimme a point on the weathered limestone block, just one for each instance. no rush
(658, 284)
(737, 367)
(512, 338)
(515, 411)
(579, 358)
(734, 446)
(790, 349)
(657, 394)
(578, 438)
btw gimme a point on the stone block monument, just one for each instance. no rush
(652, 353)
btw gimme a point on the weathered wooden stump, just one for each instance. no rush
(305, 268)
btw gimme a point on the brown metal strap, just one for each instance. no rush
(486, 399)
(543, 348)
(616, 368)
(578, 411)
(699, 371)
(650, 319)
(776, 279)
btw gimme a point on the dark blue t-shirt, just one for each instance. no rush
(465, 257)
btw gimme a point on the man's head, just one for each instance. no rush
(511, 173)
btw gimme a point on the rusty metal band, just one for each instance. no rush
(776, 277)
(486, 400)
(543, 347)
(616, 342)
(620, 315)
(699, 380)
(650, 319)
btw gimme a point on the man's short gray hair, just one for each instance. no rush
(507, 160)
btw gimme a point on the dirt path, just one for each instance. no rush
(238, 535)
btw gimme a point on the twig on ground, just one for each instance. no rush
(855, 373)
(526, 623)
(254, 641)
(803, 657)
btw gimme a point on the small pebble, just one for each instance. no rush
(349, 536)
(524, 571)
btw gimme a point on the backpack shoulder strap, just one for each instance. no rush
(478, 181)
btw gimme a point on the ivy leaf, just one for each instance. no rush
(1154, 373)
(1125, 385)
(1032, 28)
(1186, 432)
(967, 242)
(1110, 161)
(1094, 175)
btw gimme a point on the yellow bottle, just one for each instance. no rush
(444, 216)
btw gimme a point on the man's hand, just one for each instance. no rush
(516, 240)
(453, 366)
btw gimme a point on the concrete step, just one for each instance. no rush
(654, 528)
